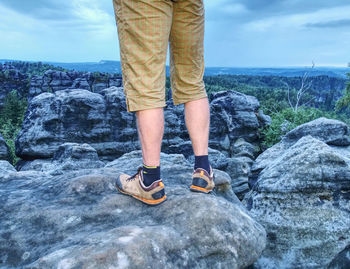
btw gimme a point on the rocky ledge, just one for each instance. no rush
(75, 218)
(301, 195)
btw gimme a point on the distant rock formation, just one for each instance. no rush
(53, 81)
(101, 120)
(12, 79)
(79, 116)
(28, 86)
(76, 218)
(300, 194)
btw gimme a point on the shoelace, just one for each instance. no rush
(134, 175)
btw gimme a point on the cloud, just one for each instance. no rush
(238, 32)
(61, 17)
(41, 9)
(260, 4)
(276, 34)
(82, 29)
(224, 10)
(71, 12)
(260, 9)
(289, 6)
(330, 24)
(326, 17)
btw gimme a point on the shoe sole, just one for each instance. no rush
(199, 189)
(145, 201)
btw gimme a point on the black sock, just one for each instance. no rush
(150, 174)
(201, 161)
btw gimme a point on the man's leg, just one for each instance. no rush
(197, 118)
(150, 126)
(187, 70)
(143, 32)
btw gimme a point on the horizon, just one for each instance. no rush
(238, 33)
(346, 66)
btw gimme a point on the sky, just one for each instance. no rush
(238, 33)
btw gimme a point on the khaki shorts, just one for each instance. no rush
(145, 27)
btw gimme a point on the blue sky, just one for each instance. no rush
(244, 33)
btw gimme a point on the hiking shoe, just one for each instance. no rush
(134, 186)
(202, 181)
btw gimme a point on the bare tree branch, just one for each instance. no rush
(312, 98)
(290, 103)
(304, 87)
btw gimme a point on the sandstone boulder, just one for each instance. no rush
(301, 197)
(78, 219)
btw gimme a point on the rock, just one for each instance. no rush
(242, 148)
(344, 151)
(330, 131)
(53, 118)
(4, 149)
(81, 83)
(69, 156)
(78, 219)
(342, 260)
(78, 116)
(234, 115)
(53, 81)
(264, 119)
(101, 120)
(302, 199)
(5, 169)
(12, 79)
(239, 169)
(29, 86)
(333, 132)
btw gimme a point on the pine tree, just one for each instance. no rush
(345, 100)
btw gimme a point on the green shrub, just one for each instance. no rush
(11, 118)
(344, 101)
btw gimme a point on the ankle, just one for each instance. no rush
(202, 161)
(150, 174)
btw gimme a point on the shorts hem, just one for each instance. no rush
(190, 98)
(134, 108)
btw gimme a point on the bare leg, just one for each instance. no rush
(197, 118)
(150, 126)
